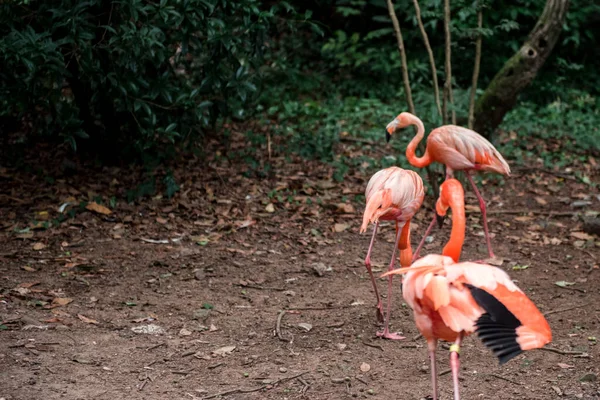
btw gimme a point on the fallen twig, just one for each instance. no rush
(376, 346)
(534, 212)
(557, 351)
(161, 241)
(316, 308)
(144, 382)
(305, 387)
(566, 309)
(361, 380)
(262, 287)
(156, 346)
(278, 326)
(242, 390)
(505, 379)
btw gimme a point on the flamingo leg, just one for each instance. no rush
(484, 213)
(386, 332)
(432, 345)
(368, 265)
(416, 255)
(455, 364)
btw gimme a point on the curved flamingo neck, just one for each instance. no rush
(411, 156)
(454, 246)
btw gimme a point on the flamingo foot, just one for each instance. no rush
(386, 334)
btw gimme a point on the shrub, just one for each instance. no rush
(130, 73)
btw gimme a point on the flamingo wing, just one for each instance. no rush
(511, 322)
(461, 148)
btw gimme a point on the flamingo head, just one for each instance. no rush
(401, 121)
(441, 208)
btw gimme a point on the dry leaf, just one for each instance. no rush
(581, 236)
(27, 285)
(564, 283)
(223, 351)
(364, 367)
(340, 227)
(161, 220)
(345, 208)
(523, 219)
(39, 246)
(61, 301)
(28, 268)
(565, 366)
(541, 201)
(87, 320)
(100, 209)
(307, 327)
(245, 223)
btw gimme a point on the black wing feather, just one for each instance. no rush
(497, 327)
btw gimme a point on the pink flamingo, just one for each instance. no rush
(459, 149)
(393, 194)
(451, 301)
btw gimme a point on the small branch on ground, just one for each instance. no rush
(262, 287)
(568, 353)
(376, 346)
(566, 309)
(242, 390)
(278, 326)
(534, 212)
(505, 379)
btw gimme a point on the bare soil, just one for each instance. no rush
(76, 297)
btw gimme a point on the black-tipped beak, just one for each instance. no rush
(440, 220)
(387, 136)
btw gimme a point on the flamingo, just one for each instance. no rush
(393, 194)
(452, 196)
(459, 149)
(452, 300)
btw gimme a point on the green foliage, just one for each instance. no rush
(568, 127)
(143, 75)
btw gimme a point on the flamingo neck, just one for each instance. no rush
(411, 156)
(457, 236)
(406, 253)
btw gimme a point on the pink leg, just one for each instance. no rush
(386, 332)
(455, 364)
(431, 346)
(484, 212)
(416, 255)
(368, 265)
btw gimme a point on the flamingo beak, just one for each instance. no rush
(389, 129)
(440, 220)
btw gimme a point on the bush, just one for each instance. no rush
(130, 73)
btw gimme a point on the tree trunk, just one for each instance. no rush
(518, 72)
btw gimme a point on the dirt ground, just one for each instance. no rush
(181, 298)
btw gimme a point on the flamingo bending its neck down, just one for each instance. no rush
(393, 194)
(452, 196)
(452, 300)
(459, 149)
